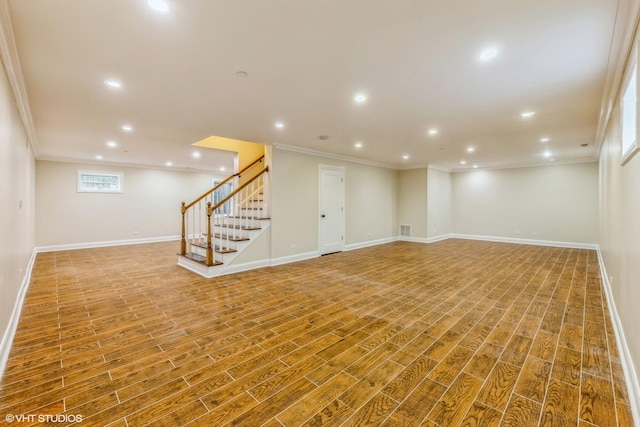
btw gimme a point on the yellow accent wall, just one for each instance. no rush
(247, 151)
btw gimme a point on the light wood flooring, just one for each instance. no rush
(451, 333)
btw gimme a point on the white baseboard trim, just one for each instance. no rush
(361, 245)
(552, 243)
(440, 238)
(246, 266)
(10, 332)
(411, 239)
(294, 258)
(630, 374)
(220, 270)
(431, 239)
(89, 245)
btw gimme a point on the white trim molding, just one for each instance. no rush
(294, 258)
(630, 374)
(11, 60)
(439, 238)
(89, 245)
(439, 168)
(318, 153)
(624, 31)
(552, 243)
(10, 332)
(368, 243)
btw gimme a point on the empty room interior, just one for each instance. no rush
(297, 213)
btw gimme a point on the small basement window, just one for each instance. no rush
(100, 182)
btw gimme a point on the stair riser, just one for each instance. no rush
(225, 260)
(258, 223)
(203, 251)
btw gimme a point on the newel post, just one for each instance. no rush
(183, 240)
(209, 257)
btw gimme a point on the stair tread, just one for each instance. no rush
(219, 249)
(238, 227)
(257, 218)
(232, 239)
(199, 259)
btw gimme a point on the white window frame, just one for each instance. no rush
(227, 208)
(85, 187)
(629, 142)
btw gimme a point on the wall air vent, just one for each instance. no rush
(405, 230)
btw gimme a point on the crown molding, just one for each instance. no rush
(106, 163)
(440, 168)
(528, 165)
(331, 156)
(620, 51)
(429, 166)
(11, 61)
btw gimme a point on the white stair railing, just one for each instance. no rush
(199, 229)
(224, 226)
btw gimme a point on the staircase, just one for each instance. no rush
(224, 221)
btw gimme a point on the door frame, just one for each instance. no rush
(341, 172)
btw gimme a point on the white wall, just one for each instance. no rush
(370, 199)
(620, 235)
(16, 209)
(551, 203)
(412, 201)
(148, 208)
(439, 202)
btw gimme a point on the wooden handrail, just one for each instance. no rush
(229, 178)
(211, 209)
(258, 160)
(237, 190)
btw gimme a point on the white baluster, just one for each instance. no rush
(186, 232)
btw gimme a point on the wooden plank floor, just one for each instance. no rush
(451, 333)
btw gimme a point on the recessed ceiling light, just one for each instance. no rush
(279, 125)
(114, 84)
(470, 149)
(545, 139)
(475, 166)
(169, 163)
(196, 154)
(358, 145)
(433, 131)
(99, 157)
(405, 157)
(112, 144)
(552, 160)
(463, 162)
(127, 128)
(547, 153)
(528, 114)
(242, 74)
(488, 54)
(222, 169)
(158, 5)
(360, 98)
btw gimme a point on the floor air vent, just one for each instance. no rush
(405, 230)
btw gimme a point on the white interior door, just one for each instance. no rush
(331, 203)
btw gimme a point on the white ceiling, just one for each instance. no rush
(416, 60)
